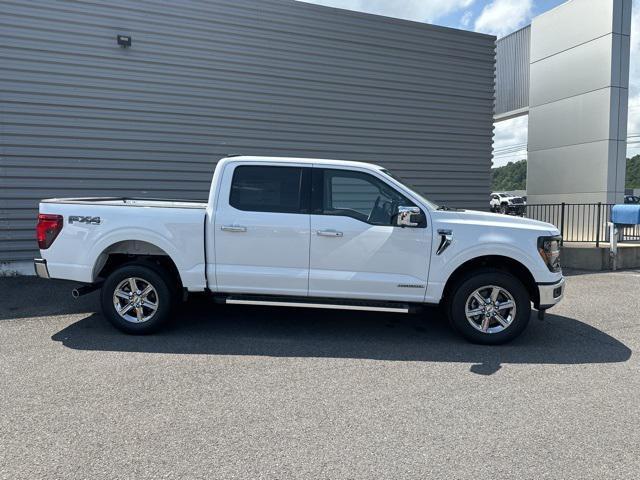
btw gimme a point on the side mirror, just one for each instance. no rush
(404, 217)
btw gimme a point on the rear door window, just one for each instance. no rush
(268, 189)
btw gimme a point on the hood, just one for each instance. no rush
(495, 220)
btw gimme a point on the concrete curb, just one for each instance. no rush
(17, 268)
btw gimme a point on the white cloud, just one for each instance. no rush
(510, 141)
(465, 21)
(633, 127)
(417, 10)
(502, 17)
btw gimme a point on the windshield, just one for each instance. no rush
(409, 187)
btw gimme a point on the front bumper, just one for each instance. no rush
(518, 209)
(40, 266)
(550, 294)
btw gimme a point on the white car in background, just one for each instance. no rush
(502, 202)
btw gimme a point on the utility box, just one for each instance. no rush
(625, 214)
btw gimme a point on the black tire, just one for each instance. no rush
(478, 279)
(504, 209)
(164, 297)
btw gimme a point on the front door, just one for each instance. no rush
(356, 251)
(262, 229)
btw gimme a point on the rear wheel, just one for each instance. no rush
(490, 307)
(137, 298)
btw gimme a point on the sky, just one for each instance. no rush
(500, 17)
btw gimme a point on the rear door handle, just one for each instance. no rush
(233, 228)
(329, 233)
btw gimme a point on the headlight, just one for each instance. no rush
(549, 249)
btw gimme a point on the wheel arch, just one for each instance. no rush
(135, 251)
(497, 262)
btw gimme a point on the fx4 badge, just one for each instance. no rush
(82, 219)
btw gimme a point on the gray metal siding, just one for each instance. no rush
(512, 71)
(81, 116)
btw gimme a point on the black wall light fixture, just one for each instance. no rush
(124, 41)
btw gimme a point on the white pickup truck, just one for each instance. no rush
(303, 233)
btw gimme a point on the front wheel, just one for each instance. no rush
(490, 307)
(137, 299)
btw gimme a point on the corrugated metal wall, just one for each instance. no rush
(82, 116)
(512, 71)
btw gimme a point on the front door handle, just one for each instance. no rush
(329, 233)
(233, 228)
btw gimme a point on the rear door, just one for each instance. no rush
(356, 251)
(262, 229)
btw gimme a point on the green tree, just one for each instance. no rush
(512, 176)
(633, 172)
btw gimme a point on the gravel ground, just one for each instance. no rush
(250, 393)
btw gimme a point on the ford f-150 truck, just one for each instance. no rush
(303, 233)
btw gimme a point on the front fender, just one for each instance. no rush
(449, 261)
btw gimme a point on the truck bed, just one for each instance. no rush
(129, 202)
(96, 226)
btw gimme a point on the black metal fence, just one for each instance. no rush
(581, 222)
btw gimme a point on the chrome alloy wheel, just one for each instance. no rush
(135, 300)
(490, 309)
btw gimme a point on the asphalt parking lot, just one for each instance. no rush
(248, 393)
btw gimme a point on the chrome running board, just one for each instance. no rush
(331, 306)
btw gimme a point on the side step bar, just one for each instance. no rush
(399, 308)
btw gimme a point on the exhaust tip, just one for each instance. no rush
(83, 290)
